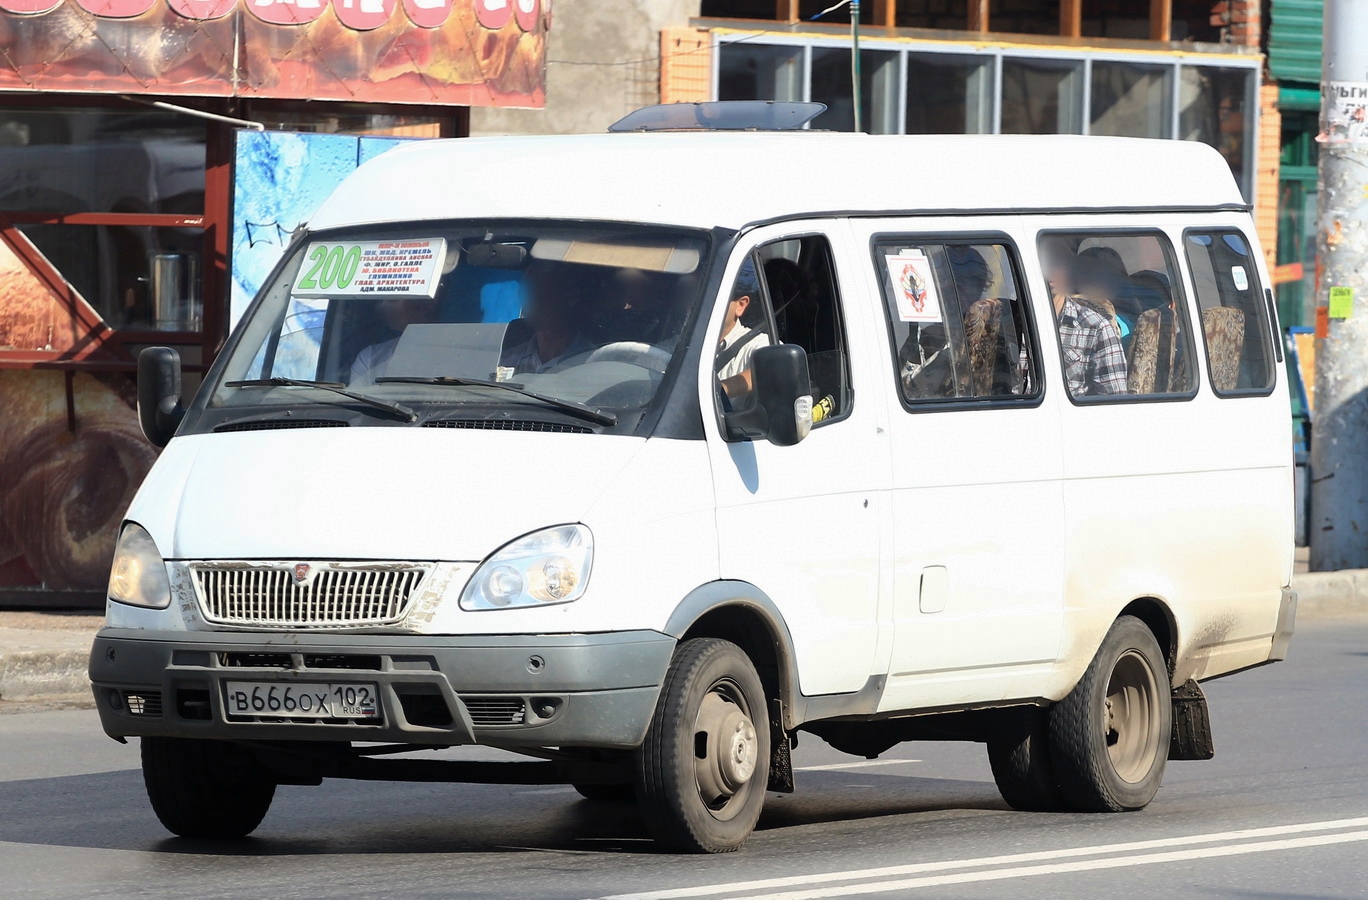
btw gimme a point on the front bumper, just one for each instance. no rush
(577, 690)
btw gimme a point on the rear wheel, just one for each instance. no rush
(1023, 770)
(205, 789)
(1109, 737)
(703, 768)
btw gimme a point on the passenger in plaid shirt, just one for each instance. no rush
(1094, 362)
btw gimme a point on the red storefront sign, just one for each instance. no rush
(431, 52)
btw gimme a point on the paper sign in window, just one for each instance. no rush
(398, 268)
(914, 288)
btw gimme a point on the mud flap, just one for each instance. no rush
(781, 764)
(1191, 737)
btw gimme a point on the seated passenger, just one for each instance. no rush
(398, 313)
(924, 363)
(1100, 279)
(743, 332)
(1094, 361)
(552, 310)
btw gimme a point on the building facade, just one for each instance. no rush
(118, 126)
(1241, 75)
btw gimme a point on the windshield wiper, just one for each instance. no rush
(581, 410)
(398, 409)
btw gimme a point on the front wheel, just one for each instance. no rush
(701, 773)
(1109, 737)
(205, 789)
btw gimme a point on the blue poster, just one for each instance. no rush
(279, 179)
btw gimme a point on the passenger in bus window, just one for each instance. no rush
(1094, 361)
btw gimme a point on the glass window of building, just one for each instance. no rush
(760, 72)
(1129, 100)
(878, 90)
(1213, 104)
(1042, 96)
(949, 94)
(100, 160)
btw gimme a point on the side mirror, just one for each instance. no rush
(782, 409)
(159, 394)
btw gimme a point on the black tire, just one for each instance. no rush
(205, 789)
(1109, 737)
(606, 793)
(702, 771)
(1023, 770)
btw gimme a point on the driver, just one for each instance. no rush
(553, 310)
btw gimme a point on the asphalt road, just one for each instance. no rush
(1281, 812)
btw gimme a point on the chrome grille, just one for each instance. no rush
(332, 597)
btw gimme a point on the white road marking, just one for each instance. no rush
(857, 765)
(1248, 834)
(1113, 862)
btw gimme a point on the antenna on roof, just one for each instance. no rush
(721, 115)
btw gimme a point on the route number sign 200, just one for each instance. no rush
(331, 267)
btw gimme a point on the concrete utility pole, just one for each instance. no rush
(1339, 444)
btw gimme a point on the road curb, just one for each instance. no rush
(1325, 595)
(35, 673)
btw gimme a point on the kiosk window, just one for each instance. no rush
(958, 321)
(1234, 327)
(1120, 315)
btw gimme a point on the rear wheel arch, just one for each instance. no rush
(1161, 622)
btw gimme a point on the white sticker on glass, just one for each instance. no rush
(913, 287)
(1237, 274)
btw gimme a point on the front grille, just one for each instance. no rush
(495, 710)
(267, 596)
(277, 424)
(509, 425)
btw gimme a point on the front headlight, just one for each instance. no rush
(138, 576)
(541, 568)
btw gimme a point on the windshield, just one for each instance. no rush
(399, 326)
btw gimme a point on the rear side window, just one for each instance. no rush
(1119, 312)
(1234, 324)
(957, 319)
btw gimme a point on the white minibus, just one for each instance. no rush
(639, 454)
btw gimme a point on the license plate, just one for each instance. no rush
(301, 700)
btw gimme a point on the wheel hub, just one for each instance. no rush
(726, 748)
(1131, 716)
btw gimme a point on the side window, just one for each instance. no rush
(745, 328)
(1234, 327)
(958, 320)
(800, 283)
(786, 292)
(1120, 314)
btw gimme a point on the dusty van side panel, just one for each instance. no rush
(1185, 502)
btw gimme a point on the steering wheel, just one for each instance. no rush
(633, 352)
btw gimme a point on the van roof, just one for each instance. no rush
(734, 179)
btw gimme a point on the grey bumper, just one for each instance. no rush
(586, 690)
